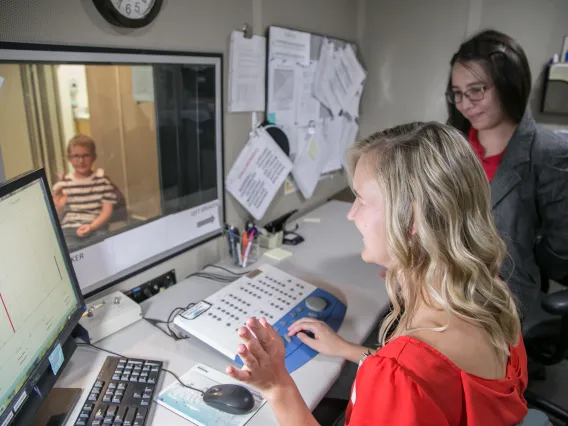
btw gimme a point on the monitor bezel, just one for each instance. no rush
(40, 365)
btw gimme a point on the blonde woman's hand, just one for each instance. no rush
(263, 355)
(321, 337)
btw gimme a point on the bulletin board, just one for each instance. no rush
(315, 42)
(314, 85)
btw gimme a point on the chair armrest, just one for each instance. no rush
(556, 303)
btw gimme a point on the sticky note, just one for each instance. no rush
(312, 219)
(56, 358)
(313, 151)
(272, 117)
(278, 254)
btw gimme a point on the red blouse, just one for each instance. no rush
(408, 382)
(489, 164)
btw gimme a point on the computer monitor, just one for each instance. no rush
(40, 299)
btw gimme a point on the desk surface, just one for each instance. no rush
(329, 258)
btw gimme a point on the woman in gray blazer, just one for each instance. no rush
(487, 98)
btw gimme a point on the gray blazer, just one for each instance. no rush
(529, 197)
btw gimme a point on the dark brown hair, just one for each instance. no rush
(505, 62)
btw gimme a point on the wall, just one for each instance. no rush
(407, 46)
(125, 133)
(17, 157)
(188, 25)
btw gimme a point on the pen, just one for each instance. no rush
(229, 238)
(244, 242)
(247, 252)
(233, 244)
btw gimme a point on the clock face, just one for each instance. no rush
(133, 9)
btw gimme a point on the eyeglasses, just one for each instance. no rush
(475, 93)
(80, 156)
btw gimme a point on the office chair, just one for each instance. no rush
(546, 341)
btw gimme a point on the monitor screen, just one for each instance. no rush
(131, 142)
(39, 295)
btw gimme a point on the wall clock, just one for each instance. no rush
(129, 13)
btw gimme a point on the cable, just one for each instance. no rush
(183, 384)
(172, 315)
(210, 265)
(100, 349)
(213, 277)
(122, 356)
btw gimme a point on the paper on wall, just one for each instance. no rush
(350, 74)
(348, 137)
(310, 160)
(291, 132)
(323, 89)
(308, 108)
(290, 45)
(143, 83)
(283, 91)
(339, 76)
(332, 132)
(352, 107)
(247, 73)
(258, 172)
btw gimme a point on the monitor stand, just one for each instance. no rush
(50, 406)
(57, 407)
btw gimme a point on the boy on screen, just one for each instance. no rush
(85, 198)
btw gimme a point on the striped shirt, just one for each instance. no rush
(85, 198)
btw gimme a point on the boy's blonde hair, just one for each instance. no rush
(431, 179)
(82, 141)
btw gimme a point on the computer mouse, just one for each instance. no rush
(233, 399)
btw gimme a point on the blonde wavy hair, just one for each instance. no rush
(432, 180)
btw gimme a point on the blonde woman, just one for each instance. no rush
(455, 356)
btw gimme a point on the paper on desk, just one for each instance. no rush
(258, 172)
(291, 45)
(189, 404)
(283, 91)
(310, 160)
(247, 73)
(278, 254)
(308, 108)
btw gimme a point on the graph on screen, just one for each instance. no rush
(36, 294)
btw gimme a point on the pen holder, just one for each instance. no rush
(242, 251)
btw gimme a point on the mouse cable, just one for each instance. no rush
(122, 356)
(183, 384)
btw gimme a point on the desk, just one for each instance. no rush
(329, 257)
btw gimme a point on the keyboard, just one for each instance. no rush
(122, 393)
(264, 292)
